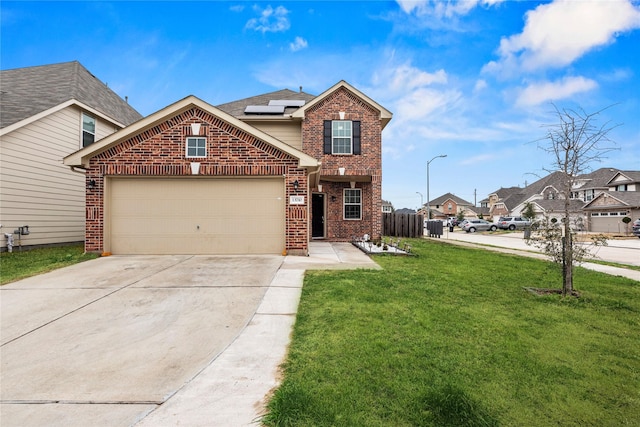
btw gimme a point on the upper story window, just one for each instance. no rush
(341, 134)
(196, 147)
(352, 203)
(621, 187)
(341, 137)
(88, 130)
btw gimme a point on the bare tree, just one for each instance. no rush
(574, 143)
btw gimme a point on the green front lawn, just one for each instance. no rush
(21, 264)
(450, 338)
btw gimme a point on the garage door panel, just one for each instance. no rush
(196, 216)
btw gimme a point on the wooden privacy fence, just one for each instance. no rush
(402, 225)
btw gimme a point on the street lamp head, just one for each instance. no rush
(436, 157)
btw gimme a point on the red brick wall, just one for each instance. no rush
(160, 151)
(369, 163)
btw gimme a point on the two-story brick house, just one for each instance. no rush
(261, 175)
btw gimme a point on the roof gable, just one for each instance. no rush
(621, 198)
(625, 177)
(385, 115)
(27, 92)
(448, 196)
(82, 157)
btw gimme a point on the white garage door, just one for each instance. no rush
(195, 216)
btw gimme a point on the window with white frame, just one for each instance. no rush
(88, 130)
(196, 147)
(341, 137)
(621, 187)
(352, 203)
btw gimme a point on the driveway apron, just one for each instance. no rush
(108, 340)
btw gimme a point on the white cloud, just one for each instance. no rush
(405, 77)
(538, 93)
(270, 20)
(480, 85)
(298, 44)
(441, 8)
(558, 33)
(479, 159)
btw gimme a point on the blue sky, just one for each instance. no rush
(473, 80)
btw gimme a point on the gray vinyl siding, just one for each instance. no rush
(36, 189)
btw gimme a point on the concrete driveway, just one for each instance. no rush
(153, 340)
(106, 341)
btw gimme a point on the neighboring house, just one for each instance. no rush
(484, 208)
(586, 187)
(387, 207)
(606, 211)
(546, 197)
(261, 175)
(48, 112)
(502, 201)
(554, 208)
(449, 205)
(624, 181)
(406, 211)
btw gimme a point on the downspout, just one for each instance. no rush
(317, 171)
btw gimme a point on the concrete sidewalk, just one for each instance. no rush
(234, 388)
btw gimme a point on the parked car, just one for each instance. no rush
(513, 222)
(473, 225)
(636, 227)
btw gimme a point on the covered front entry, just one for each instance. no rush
(194, 215)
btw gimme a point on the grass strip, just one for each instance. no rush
(451, 338)
(22, 264)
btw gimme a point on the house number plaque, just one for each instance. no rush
(296, 200)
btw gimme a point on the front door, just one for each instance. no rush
(317, 215)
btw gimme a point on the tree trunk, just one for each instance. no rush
(567, 280)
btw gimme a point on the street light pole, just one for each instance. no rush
(428, 163)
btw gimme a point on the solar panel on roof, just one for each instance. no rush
(288, 102)
(264, 109)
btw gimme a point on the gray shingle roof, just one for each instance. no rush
(459, 201)
(633, 176)
(236, 108)
(25, 92)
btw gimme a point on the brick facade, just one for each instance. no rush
(155, 147)
(160, 151)
(366, 166)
